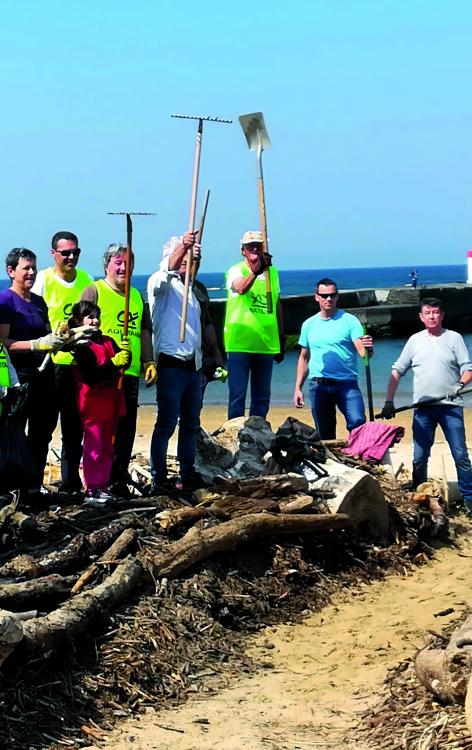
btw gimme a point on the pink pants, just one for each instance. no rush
(98, 452)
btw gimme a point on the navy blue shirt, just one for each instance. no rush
(27, 320)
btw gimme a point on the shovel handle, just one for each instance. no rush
(262, 210)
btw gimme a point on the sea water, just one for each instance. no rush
(283, 379)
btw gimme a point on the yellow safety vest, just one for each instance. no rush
(249, 327)
(60, 300)
(112, 306)
(4, 371)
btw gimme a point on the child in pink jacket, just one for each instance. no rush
(99, 362)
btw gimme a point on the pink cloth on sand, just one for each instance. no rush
(372, 440)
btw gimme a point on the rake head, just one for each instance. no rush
(201, 118)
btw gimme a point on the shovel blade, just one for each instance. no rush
(254, 129)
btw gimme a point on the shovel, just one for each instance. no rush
(258, 139)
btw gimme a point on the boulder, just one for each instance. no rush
(358, 494)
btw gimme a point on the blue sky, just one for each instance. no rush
(367, 105)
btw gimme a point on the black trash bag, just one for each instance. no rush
(14, 401)
(296, 443)
(17, 469)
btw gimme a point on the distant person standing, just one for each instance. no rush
(330, 342)
(212, 357)
(61, 286)
(441, 366)
(414, 277)
(253, 336)
(109, 295)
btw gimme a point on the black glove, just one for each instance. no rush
(280, 356)
(455, 391)
(388, 410)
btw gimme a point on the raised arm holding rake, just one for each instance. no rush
(178, 364)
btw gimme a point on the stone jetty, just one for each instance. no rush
(386, 312)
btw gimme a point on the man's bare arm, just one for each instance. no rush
(302, 372)
(392, 385)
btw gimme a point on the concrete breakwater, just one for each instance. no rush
(386, 312)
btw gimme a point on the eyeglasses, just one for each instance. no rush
(66, 253)
(330, 295)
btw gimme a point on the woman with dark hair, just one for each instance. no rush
(26, 333)
(99, 361)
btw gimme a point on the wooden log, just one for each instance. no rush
(11, 633)
(26, 524)
(298, 504)
(223, 507)
(76, 616)
(7, 511)
(261, 487)
(199, 543)
(17, 595)
(446, 671)
(233, 506)
(468, 707)
(113, 553)
(75, 554)
(171, 519)
(334, 443)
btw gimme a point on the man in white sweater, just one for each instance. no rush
(441, 368)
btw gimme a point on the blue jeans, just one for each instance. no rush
(179, 397)
(240, 364)
(345, 395)
(451, 421)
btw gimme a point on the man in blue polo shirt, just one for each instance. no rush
(330, 342)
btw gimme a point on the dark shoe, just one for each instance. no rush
(191, 483)
(163, 487)
(69, 489)
(120, 489)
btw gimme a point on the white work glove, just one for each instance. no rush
(3, 391)
(50, 343)
(454, 392)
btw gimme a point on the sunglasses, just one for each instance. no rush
(66, 253)
(330, 295)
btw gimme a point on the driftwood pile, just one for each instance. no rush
(105, 611)
(416, 714)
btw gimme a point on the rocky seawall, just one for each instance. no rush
(386, 312)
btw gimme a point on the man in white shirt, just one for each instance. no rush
(178, 365)
(441, 368)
